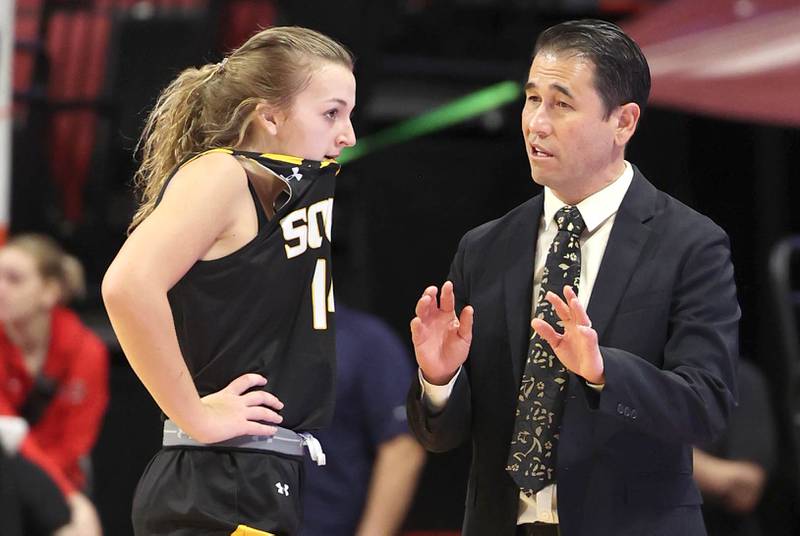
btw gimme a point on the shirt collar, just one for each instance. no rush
(596, 208)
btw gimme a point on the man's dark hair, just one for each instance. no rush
(621, 72)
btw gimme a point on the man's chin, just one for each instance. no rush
(539, 178)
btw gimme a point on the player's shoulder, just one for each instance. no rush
(212, 165)
(215, 173)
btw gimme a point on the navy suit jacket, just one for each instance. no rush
(665, 309)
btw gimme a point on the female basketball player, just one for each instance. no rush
(224, 282)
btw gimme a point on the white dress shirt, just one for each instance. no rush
(599, 211)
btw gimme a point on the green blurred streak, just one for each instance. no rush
(440, 118)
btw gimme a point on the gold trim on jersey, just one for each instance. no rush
(272, 156)
(295, 160)
(244, 530)
(217, 150)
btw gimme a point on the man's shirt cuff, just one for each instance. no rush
(435, 396)
(596, 386)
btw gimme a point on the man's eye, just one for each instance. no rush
(534, 98)
(331, 114)
(562, 104)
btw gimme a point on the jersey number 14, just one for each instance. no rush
(321, 301)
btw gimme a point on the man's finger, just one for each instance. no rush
(546, 331)
(561, 308)
(447, 300)
(417, 331)
(569, 293)
(432, 291)
(465, 324)
(424, 306)
(589, 338)
(579, 314)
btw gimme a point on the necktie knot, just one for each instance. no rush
(568, 218)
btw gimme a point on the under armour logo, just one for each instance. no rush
(295, 174)
(283, 489)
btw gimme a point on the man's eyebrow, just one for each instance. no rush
(557, 87)
(562, 89)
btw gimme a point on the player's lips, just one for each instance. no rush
(332, 156)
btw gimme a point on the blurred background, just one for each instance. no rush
(721, 134)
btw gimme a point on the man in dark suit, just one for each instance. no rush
(585, 429)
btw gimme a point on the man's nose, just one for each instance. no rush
(539, 122)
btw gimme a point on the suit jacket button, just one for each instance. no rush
(633, 414)
(620, 409)
(627, 411)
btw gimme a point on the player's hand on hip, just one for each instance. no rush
(577, 348)
(441, 339)
(236, 410)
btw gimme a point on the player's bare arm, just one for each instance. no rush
(201, 205)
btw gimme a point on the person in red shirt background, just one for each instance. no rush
(53, 369)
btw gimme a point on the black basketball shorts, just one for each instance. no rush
(212, 492)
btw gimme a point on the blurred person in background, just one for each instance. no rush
(733, 471)
(374, 462)
(31, 504)
(53, 369)
(224, 282)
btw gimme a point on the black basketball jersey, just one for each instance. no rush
(267, 307)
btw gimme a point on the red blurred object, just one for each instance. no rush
(243, 18)
(625, 7)
(738, 59)
(75, 44)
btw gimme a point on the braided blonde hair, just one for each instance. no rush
(212, 106)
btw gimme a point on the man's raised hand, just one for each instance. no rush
(577, 347)
(441, 340)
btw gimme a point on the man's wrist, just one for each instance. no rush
(438, 381)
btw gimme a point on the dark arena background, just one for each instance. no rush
(439, 152)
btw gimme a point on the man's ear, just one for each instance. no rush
(627, 117)
(267, 117)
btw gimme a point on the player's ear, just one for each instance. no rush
(268, 117)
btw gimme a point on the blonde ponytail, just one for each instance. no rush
(170, 134)
(212, 106)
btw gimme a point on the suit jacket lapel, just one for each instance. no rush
(628, 237)
(518, 280)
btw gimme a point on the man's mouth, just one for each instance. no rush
(539, 152)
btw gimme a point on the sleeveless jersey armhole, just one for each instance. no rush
(261, 212)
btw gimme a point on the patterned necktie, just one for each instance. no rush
(532, 457)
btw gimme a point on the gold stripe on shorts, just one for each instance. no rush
(243, 530)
